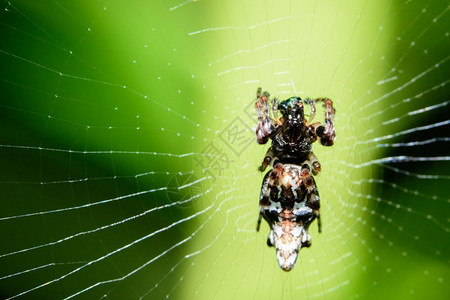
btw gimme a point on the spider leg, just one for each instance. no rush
(258, 224)
(269, 159)
(314, 162)
(275, 111)
(329, 119)
(264, 126)
(306, 238)
(319, 223)
(325, 132)
(312, 105)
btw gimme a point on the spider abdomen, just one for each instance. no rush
(286, 205)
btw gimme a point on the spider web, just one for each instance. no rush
(129, 163)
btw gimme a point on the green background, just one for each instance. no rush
(129, 163)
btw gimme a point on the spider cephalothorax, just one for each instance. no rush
(289, 199)
(292, 135)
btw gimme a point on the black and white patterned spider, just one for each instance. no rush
(289, 199)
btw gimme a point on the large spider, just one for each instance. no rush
(289, 199)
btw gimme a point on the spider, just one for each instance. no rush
(289, 199)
